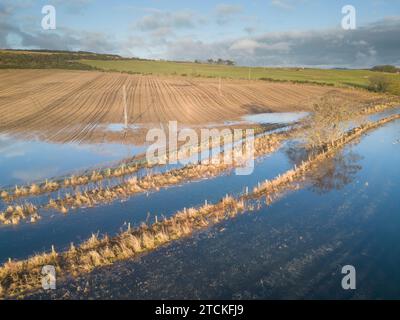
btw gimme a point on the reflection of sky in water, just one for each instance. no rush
(119, 127)
(265, 118)
(27, 161)
(261, 118)
(278, 117)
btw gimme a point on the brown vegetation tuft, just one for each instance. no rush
(14, 214)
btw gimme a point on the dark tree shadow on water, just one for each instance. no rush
(333, 173)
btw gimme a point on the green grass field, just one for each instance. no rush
(17, 59)
(356, 78)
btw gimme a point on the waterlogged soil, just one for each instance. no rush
(295, 248)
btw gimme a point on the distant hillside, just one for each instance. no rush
(49, 59)
(386, 68)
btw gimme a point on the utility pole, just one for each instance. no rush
(249, 73)
(219, 87)
(125, 106)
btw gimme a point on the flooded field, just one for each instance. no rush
(56, 197)
(81, 223)
(170, 152)
(294, 248)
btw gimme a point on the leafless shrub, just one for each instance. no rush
(379, 83)
(331, 116)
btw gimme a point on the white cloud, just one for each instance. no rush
(250, 45)
(163, 19)
(283, 4)
(163, 34)
(287, 4)
(225, 12)
(72, 6)
(247, 45)
(377, 43)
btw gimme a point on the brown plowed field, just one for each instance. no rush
(63, 106)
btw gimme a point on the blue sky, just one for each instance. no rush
(269, 32)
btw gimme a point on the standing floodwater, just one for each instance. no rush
(294, 249)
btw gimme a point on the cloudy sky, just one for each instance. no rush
(252, 32)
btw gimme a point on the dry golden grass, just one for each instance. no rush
(15, 214)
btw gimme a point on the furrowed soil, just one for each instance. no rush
(77, 106)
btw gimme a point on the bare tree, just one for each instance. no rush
(331, 115)
(379, 83)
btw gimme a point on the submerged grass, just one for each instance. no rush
(19, 277)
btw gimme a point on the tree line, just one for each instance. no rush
(218, 62)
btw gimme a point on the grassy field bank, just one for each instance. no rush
(355, 78)
(46, 59)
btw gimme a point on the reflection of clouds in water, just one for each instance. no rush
(30, 160)
(13, 153)
(30, 175)
(10, 149)
(120, 127)
(277, 117)
(105, 149)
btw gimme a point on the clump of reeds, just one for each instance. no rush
(76, 181)
(96, 176)
(4, 194)
(21, 191)
(380, 107)
(50, 186)
(14, 214)
(34, 189)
